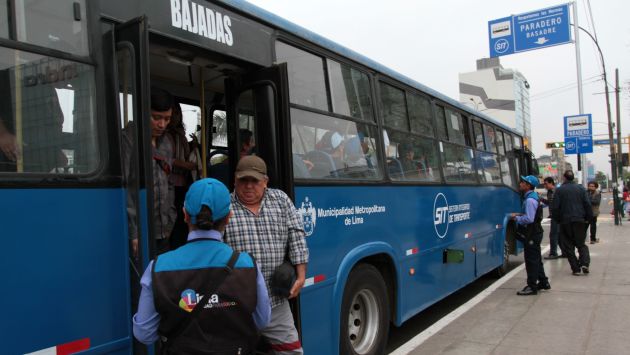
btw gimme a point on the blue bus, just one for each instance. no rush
(403, 191)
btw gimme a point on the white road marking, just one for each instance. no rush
(416, 341)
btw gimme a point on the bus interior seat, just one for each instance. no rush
(300, 170)
(394, 167)
(323, 164)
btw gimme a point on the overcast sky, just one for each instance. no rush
(432, 41)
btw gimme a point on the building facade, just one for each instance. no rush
(500, 93)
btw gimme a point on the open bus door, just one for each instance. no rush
(263, 97)
(260, 100)
(131, 95)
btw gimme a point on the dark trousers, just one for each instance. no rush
(593, 225)
(533, 261)
(554, 230)
(572, 236)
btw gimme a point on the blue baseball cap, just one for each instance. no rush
(207, 192)
(530, 179)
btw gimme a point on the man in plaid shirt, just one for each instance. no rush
(266, 224)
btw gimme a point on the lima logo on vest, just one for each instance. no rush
(190, 299)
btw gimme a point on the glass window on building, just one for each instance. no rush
(326, 147)
(457, 163)
(478, 135)
(53, 24)
(420, 115)
(393, 107)
(50, 124)
(411, 158)
(307, 83)
(350, 91)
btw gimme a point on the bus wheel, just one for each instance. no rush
(364, 313)
(503, 268)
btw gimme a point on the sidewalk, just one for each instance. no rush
(587, 314)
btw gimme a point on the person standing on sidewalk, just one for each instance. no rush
(529, 227)
(572, 209)
(550, 185)
(596, 198)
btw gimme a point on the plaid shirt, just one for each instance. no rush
(267, 234)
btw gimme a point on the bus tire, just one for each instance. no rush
(364, 313)
(505, 264)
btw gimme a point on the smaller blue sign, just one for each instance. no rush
(570, 145)
(585, 145)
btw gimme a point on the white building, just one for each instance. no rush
(502, 94)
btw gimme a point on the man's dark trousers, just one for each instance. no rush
(533, 261)
(572, 236)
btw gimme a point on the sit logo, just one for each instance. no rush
(440, 215)
(309, 216)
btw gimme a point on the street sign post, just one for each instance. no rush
(529, 31)
(578, 134)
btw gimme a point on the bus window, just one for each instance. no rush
(420, 115)
(507, 170)
(457, 128)
(487, 167)
(349, 91)
(50, 125)
(457, 162)
(53, 24)
(325, 147)
(411, 158)
(500, 146)
(440, 117)
(518, 142)
(508, 143)
(393, 107)
(307, 84)
(490, 138)
(4, 20)
(478, 135)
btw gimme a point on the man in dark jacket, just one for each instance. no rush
(529, 227)
(596, 198)
(572, 209)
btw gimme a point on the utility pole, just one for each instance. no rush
(578, 61)
(619, 146)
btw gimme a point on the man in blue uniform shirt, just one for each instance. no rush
(529, 228)
(206, 273)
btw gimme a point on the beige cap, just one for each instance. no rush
(251, 166)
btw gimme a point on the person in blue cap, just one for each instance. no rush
(203, 296)
(529, 228)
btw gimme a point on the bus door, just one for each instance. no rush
(258, 103)
(131, 99)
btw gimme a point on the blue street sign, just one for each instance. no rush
(603, 141)
(578, 134)
(530, 30)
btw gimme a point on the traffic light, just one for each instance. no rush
(553, 145)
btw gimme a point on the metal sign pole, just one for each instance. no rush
(578, 62)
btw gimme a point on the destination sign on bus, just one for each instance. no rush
(202, 21)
